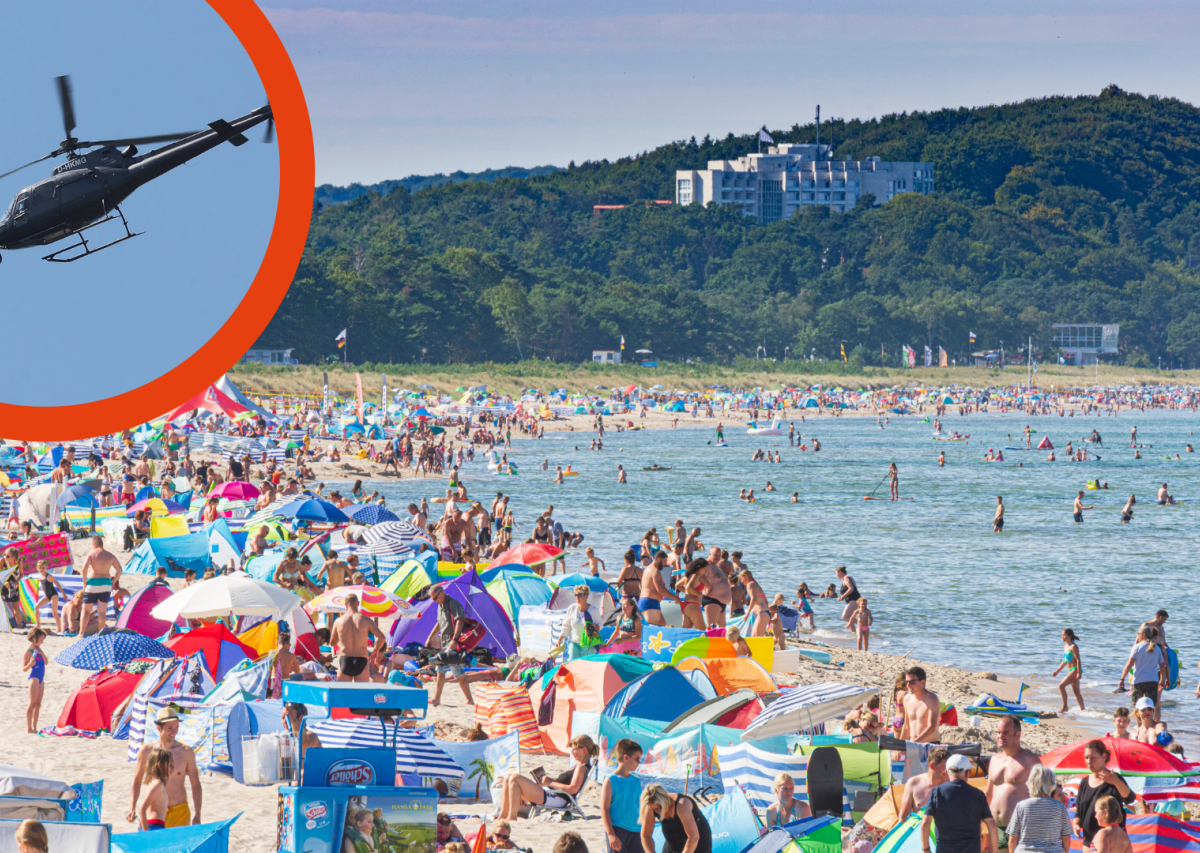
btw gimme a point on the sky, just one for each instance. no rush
(400, 87)
(108, 323)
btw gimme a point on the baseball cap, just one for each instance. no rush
(1144, 702)
(958, 762)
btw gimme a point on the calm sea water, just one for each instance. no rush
(937, 578)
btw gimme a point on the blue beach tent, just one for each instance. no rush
(662, 695)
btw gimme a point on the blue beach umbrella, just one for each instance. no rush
(78, 494)
(312, 510)
(371, 514)
(111, 647)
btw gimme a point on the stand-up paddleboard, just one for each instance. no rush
(818, 656)
(869, 498)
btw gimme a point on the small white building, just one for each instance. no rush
(775, 185)
(607, 356)
(270, 355)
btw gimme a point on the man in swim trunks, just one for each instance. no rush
(100, 570)
(653, 591)
(919, 787)
(691, 543)
(352, 638)
(998, 518)
(922, 710)
(1008, 771)
(1164, 497)
(178, 813)
(1079, 507)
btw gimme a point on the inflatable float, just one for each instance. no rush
(754, 429)
(992, 705)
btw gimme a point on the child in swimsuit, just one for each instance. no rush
(1074, 665)
(34, 662)
(1121, 724)
(862, 619)
(740, 647)
(152, 814)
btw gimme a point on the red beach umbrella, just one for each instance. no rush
(528, 554)
(1129, 757)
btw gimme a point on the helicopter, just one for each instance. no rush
(87, 190)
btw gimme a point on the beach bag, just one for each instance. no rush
(472, 632)
(546, 705)
(591, 631)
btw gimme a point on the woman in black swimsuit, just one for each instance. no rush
(683, 826)
(849, 593)
(548, 792)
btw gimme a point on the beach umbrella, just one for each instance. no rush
(1151, 833)
(373, 602)
(312, 510)
(807, 707)
(91, 706)
(415, 753)
(237, 490)
(79, 494)
(156, 506)
(371, 514)
(529, 554)
(1124, 756)
(237, 593)
(221, 648)
(401, 532)
(101, 650)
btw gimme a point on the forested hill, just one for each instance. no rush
(328, 194)
(1052, 210)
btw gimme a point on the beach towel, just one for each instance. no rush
(54, 549)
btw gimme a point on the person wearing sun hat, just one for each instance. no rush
(178, 813)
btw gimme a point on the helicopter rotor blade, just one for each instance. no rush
(27, 165)
(138, 140)
(269, 136)
(67, 103)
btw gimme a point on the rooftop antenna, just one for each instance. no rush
(818, 128)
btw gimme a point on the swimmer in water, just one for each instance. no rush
(942, 459)
(795, 497)
(742, 495)
(558, 474)
(621, 474)
(769, 487)
(1163, 497)
(750, 497)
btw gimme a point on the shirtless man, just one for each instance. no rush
(718, 593)
(1078, 507)
(455, 532)
(1008, 771)
(652, 592)
(351, 636)
(918, 788)
(998, 518)
(259, 543)
(62, 472)
(100, 571)
(1164, 497)
(690, 544)
(178, 813)
(416, 517)
(922, 710)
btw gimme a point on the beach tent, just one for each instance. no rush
(730, 674)
(201, 838)
(468, 591)
(412, 576)
(807, 707)
(175, 553)
(808, 835)
(584, 684)
(221, 649)
(175, 678)
(90, 707)
(264, 636)
(734, 710)
(39, 504)
(865, 767)
(734, 824)
(250, 680)
(513, 589)
(254, 719)
(661, 695)
(223, 544)
(210, 400)
(885, 814)
(226, 387)
(135, 615)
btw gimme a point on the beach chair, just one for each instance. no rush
(572, 806)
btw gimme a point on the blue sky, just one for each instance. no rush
(109, 323)
(397, 88)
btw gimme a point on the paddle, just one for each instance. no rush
(874, 490)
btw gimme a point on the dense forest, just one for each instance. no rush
(328, 194)
(1081, 209)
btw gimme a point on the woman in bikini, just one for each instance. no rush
(759, 617)
(786, 807)
(1074, 667)
(629, 582)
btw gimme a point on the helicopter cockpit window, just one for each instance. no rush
(20, 204)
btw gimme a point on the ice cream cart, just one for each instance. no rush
(347, 799)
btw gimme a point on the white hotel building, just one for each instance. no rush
(775, 185)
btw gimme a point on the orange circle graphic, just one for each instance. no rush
(297, 173)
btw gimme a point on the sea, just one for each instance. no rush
(938, 580)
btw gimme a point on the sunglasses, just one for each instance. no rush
(503, 837)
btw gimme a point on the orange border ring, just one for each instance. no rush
(282, 258)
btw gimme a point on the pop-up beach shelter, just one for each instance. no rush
(264, 636)
(730, 674)
(210, 400)
(135, 615)
(201, 838)
(513, 589)
(174, 553)
(412, 576)
(584, 684)
(661, 695)
(90, 707)
(477, 604)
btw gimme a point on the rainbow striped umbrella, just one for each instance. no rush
(373, 602)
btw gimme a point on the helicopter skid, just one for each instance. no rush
(83, 243)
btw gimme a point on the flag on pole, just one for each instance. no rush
(763, 136)
(358, 383)
(480, 845)
(341, 339)
(972, 337)
(928, 357)
(622, 343)
(385, 395)
(843, 346)
(943, 359)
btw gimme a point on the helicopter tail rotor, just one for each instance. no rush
(269, 136)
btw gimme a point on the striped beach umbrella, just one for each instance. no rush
(371, 514)
(402, 532)
(373, 602)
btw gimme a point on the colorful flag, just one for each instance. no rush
(972, 337)
(943, 359)
(325, 392)
(622, 343)
(928, 357)
(843, 346)
(341, 339)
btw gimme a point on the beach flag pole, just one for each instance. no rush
(898, 660)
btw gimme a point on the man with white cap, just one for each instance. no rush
(957, 809)
(1148, 730)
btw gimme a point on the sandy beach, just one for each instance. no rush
(84, 760)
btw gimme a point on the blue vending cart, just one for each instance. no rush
(347, 800)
